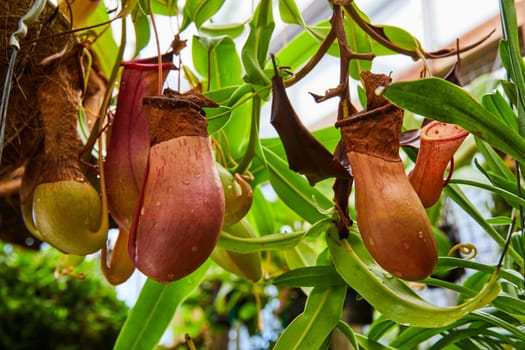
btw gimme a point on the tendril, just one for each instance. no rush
(468, 249)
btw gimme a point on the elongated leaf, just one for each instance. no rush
(496, 104)
(232, 30)
(227, 97)
(391, 296)
(275, 241)
(368, 344)
(310, 329)
(359, 42)
(261, 213)
(454, 336)
(301, 255)
(255, 51)
(199, 11)
(510, 197)
(347, 331)
(457, 195)
(311, 276)
(500, 220)
(441, 100)
(496, 321)
(295, 53)
(142, 31)
(154, 310)
(294, 190)
(379, 327)
(494, 161)
(401, 38)
(105, 46)
(512, 306)
(319, 227)
(514, 63)
(290, 12)
(448, 263)
(165, 7)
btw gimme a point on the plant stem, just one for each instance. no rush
(253, 142)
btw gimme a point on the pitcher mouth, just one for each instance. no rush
(376, 112)
(440, 131)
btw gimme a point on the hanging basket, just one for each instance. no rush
(23, 132)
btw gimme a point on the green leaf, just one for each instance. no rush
(232, 30)
(441, 100)
(154, 310)
(496, 104)
(449, 263)
(359, 42)
(511, 305)
(296, 52)
(217, 117)
(319, 227)
(300, 255)
(454, 336)
(311, 276)
(274, 241)
(494, 161)
(456, 194)
(368, 344)
(392, 297)
(513, 62)
(199, 11)
(510, 197)
(348, 332)
(498, 322)
(321, 314)
(401, 38)
(142, 31)
(294, 190)
(500, 220)
(105, 47)
(261, 213)
(165, 7)
(290, 12)
(379, 327)
(216, 59)
(255, 51)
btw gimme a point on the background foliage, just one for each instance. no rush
(42, 308)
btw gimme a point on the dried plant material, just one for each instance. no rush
(306, 155)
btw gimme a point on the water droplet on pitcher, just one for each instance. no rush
(157, 203)
(186, 182)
